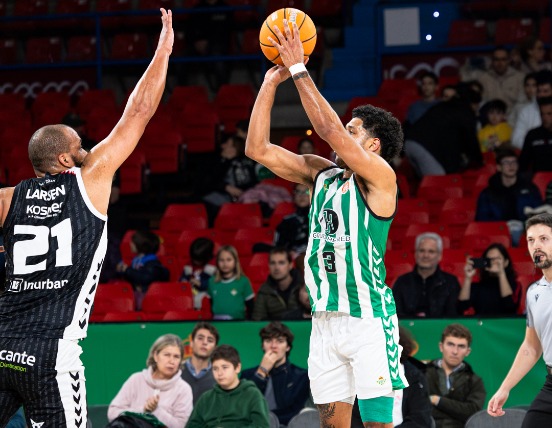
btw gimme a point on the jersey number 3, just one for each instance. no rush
(39, 246)
(329, 261)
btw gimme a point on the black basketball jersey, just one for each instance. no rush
(55, 243)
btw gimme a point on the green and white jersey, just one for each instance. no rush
(344, 269)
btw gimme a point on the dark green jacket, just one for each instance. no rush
(242, 407)
(465, 397)
(269, 305)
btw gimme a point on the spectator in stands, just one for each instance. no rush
(304, 311)
(497, 291)
(448, 92)
(537, 148)
(305, 146)
(495, 131)
(455, 391)
(500, 80)
(17, 420)
(145, 267)
(546, 207)
(277, 294)
(229, 289)
(411, 408)
(427, 291)
(507, 195)
(532, 52)
(157, 390)
(428, 85)
(197, 370)
(444, 140)
(293, 231)
(530, 91)
(200, 270)
(284, 385)
(210, 35)
(232, 402)
(231, 176)
(242, 126)
(529, 116)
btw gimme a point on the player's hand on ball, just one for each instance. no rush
(277, 74)
(291, 49)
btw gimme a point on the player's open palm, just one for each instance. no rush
(166, 38)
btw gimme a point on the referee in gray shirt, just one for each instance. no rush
(538, 335)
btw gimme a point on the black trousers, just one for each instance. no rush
(539, 414)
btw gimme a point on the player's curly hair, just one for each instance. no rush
(383, 125)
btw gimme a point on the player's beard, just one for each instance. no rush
(340, 162)
(544, 262)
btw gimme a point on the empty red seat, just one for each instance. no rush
(43, 50)
(545, 30)
(81, 48)
(233, 216)
(199, 126)
(51, 100)
(512, 30)
(188, 95)
(117, 297)
(246, 238)
(92, 100)
(130, 46)
(113, 6)
(189, 315)
(479, 235)
(393, 271)
(282, 209)
(467, 33)
(131, 173)
(134, 316)
(178, 217)
(395, 89)
(163, 151)
(167, 296)
(542, 179)
(245, 17)
(8, 51)
(233, 103)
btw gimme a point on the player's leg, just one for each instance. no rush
(540, 412)
(330, 374)
(12, 371)
(336, 414)
(57, 399)
(375, 359)
(377, 412)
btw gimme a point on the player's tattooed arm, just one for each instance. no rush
(327, 412)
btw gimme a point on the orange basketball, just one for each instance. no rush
(307, 32)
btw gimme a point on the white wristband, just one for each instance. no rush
(297, 68)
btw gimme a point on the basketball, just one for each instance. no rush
(307, 32)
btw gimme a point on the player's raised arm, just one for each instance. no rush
(285, 164)
(367, 164)
(103, 160)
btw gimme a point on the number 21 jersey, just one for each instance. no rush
(55, 243)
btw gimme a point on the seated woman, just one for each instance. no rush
(496, 292)
(157, 390)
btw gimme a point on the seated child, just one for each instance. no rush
(231, 403)
(199, 271)
(145, 267)
(496, 131)
(229, 289)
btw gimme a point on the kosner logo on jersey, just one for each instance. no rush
(17, 285)
(16, 360)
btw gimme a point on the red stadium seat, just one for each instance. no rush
(199, 126)
(51, 100)
(542, 179)
(282, 210)
(116, 297)
(131, 173)
(167, 296)
(130, 46)
(92, 99)
(511, 31)
(395, 89)
(125, 317)
(468, 33)
(8, 51)
(81, 48)
(43, 50)
(245, 238)
(183, 216)
(163, 150)
(233, 103)
(233, 216)
(188, 95)
(189, 315)
(393, 271)
(479, 235)
(113, 22)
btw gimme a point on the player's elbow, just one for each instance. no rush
(253, 151)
